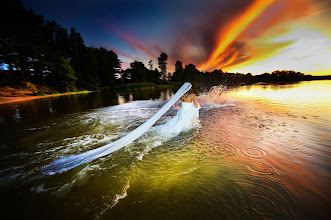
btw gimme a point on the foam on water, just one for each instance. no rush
(151, 141)
(72, 161)
(103, 125)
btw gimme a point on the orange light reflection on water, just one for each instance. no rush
(315, 94)
(277, 133)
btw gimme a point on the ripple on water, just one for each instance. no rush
(254, 152)
(268, 199)
(261, 170)
(224, 152)
(227, 151)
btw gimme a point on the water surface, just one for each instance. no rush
(262, 151)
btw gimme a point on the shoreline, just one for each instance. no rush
(13, 99)
(22, 94)
(25, 94)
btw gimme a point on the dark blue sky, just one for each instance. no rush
(138, 17)
(89, 16)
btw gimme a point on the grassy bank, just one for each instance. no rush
(29, 92)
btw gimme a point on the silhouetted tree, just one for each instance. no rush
(62, 76)
(90, 69)
(125, 75)
(191, 73)
(139, 72)
(77, 49)
(108, 65)
(163, 65)
(179, 72)
(156, 75)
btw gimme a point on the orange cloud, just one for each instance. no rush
(230, 32)
(244, 38)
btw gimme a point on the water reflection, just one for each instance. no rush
(304, 93)
(262, 153)
(41, 109)
(17, 113)
(281, 133)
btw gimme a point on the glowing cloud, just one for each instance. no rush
(308, 50)
(231, 32)
(272, 35)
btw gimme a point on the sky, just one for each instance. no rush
(245, 36)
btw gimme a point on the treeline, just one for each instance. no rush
(138, 72)
(217, 77)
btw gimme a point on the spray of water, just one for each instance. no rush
(217, 90)
(213, 97)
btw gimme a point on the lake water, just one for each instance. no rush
(260, 152)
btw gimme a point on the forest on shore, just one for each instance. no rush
(41, 52)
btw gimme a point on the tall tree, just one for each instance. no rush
(179, 72)
(90, 69)
(139, 72)
(77, 49)
(156, 75)
(163, 65)
(62, 76)
(108, 66)
(191, 73)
